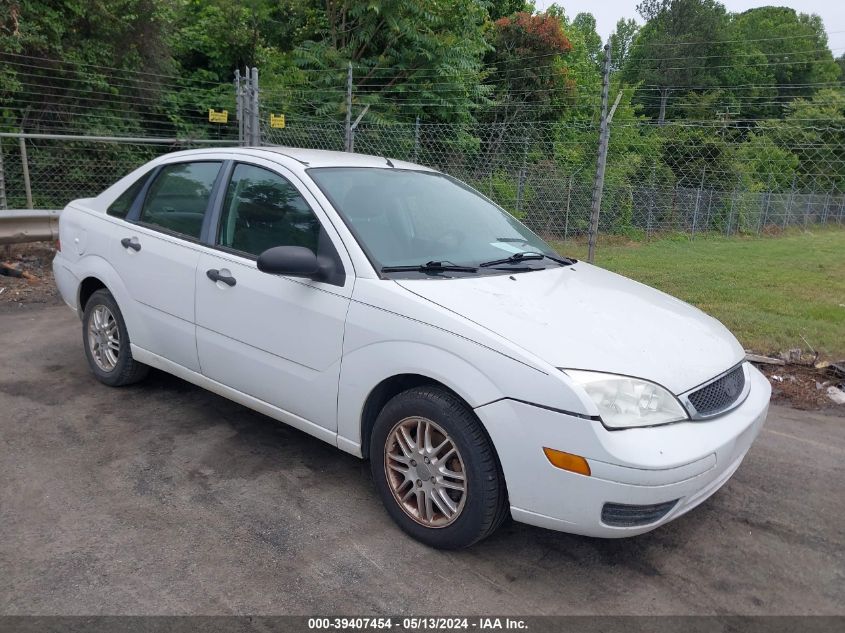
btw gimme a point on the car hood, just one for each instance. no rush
(584, 317)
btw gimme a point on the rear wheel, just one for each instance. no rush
(436, 470)
(107, 342)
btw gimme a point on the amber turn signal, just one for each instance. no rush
(567, 461)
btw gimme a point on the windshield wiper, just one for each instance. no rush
(527, 256)
(430, 267)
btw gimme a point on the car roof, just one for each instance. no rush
(310, 157)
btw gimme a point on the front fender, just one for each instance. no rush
(379, 345)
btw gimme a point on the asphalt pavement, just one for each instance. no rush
(162, 498)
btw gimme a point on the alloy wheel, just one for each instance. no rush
(103, 338)
(425, 472)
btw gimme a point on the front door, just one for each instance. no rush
(278, 339)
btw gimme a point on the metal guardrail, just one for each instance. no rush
(18, 226)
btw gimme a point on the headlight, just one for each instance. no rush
(625, 402)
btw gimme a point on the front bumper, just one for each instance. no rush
(685, 461)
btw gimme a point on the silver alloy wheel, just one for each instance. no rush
(103, 338)
(425, 472)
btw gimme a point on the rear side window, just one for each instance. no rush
(177, 199)
(120, 207)
(262, 210)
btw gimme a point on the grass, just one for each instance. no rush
(773, 293)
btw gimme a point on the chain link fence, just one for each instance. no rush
(682, 177)
(676, 178)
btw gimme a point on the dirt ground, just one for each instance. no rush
(36, 259)
(803, 387)
(798, 385)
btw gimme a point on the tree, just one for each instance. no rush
(814, 130)
(621, 41)
(678, 48)
(505, 8)
(88, 47)
(409, 59)
(794, 46)
(527, 71)
(585, 24)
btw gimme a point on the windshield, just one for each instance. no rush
(410, 218)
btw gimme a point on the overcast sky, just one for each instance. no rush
(607, 12)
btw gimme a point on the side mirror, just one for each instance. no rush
(294, 261)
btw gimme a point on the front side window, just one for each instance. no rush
(178, 197)
(263, 209)
(405, 218)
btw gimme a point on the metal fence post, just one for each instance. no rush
(731, 214)
(604, 137)
(239, 111)
(764, 212)
(255, 124)
(348, 141)
(807, 210)
(25, 166)
(566, 213)
(520, 183)
(698, 200)
(245, 107)
(3, 204)
(417, 140)
(791, 199)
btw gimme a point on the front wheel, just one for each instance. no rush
(107, 342)
(436, 470)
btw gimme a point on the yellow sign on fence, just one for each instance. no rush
(218, 117)
(277, 121)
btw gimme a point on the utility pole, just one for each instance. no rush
(348, 143)
(604, 137)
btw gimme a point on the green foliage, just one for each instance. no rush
(621, 41)
(536, 91)
(795, 46)
(411, 59)
(678, 48)
(750, 100)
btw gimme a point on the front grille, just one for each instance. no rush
(719, 394)
(623, 515)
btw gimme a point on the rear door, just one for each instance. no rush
(156, 256)
(275, 338)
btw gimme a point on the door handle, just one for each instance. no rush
(215, 275)
(131, 243)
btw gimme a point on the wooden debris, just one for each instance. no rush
(766, 360)
(9, 270)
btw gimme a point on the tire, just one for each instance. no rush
(406, 482)
(106, 342)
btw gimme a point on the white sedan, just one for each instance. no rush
(398, 314)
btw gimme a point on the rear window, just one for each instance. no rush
(178, 197)
(120, 207)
